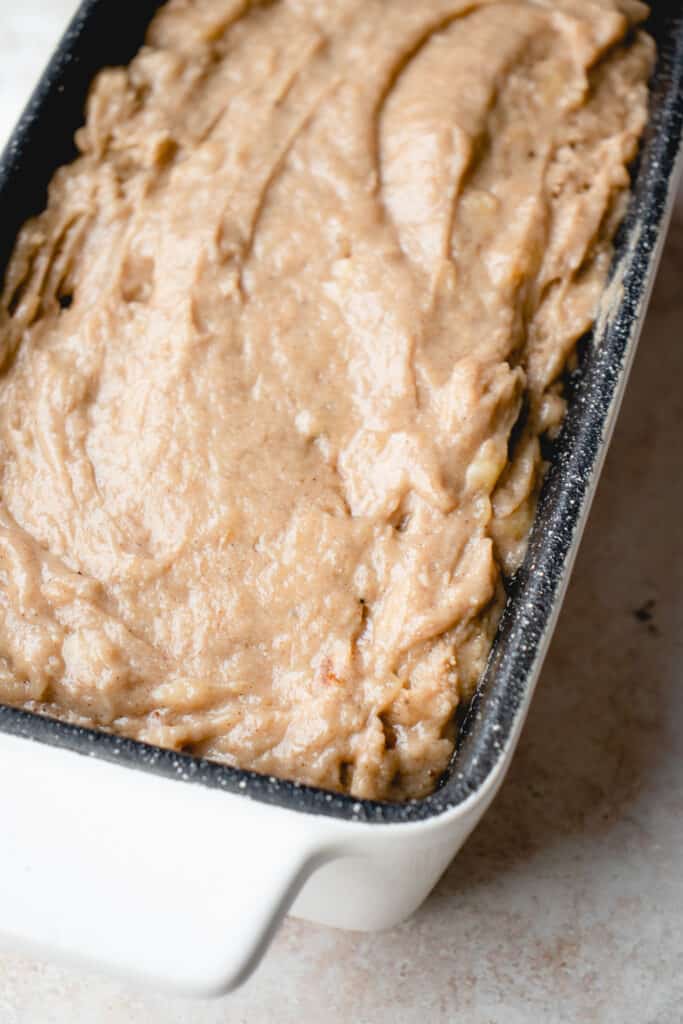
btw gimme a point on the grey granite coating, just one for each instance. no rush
(567, 903)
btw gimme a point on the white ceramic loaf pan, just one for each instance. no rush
(177, 870)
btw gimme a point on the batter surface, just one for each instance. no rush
(275, 364)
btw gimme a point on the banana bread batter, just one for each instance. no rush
(276, 361)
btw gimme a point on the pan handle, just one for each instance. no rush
(173, 884)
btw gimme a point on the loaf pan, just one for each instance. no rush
(178, 870)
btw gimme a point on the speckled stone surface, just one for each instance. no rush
(567, 903)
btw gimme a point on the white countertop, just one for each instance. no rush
(567, 903)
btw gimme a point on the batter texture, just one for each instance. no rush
(276, 362)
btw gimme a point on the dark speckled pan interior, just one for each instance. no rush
(109, 32)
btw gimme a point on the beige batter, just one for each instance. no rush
(276, 361)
